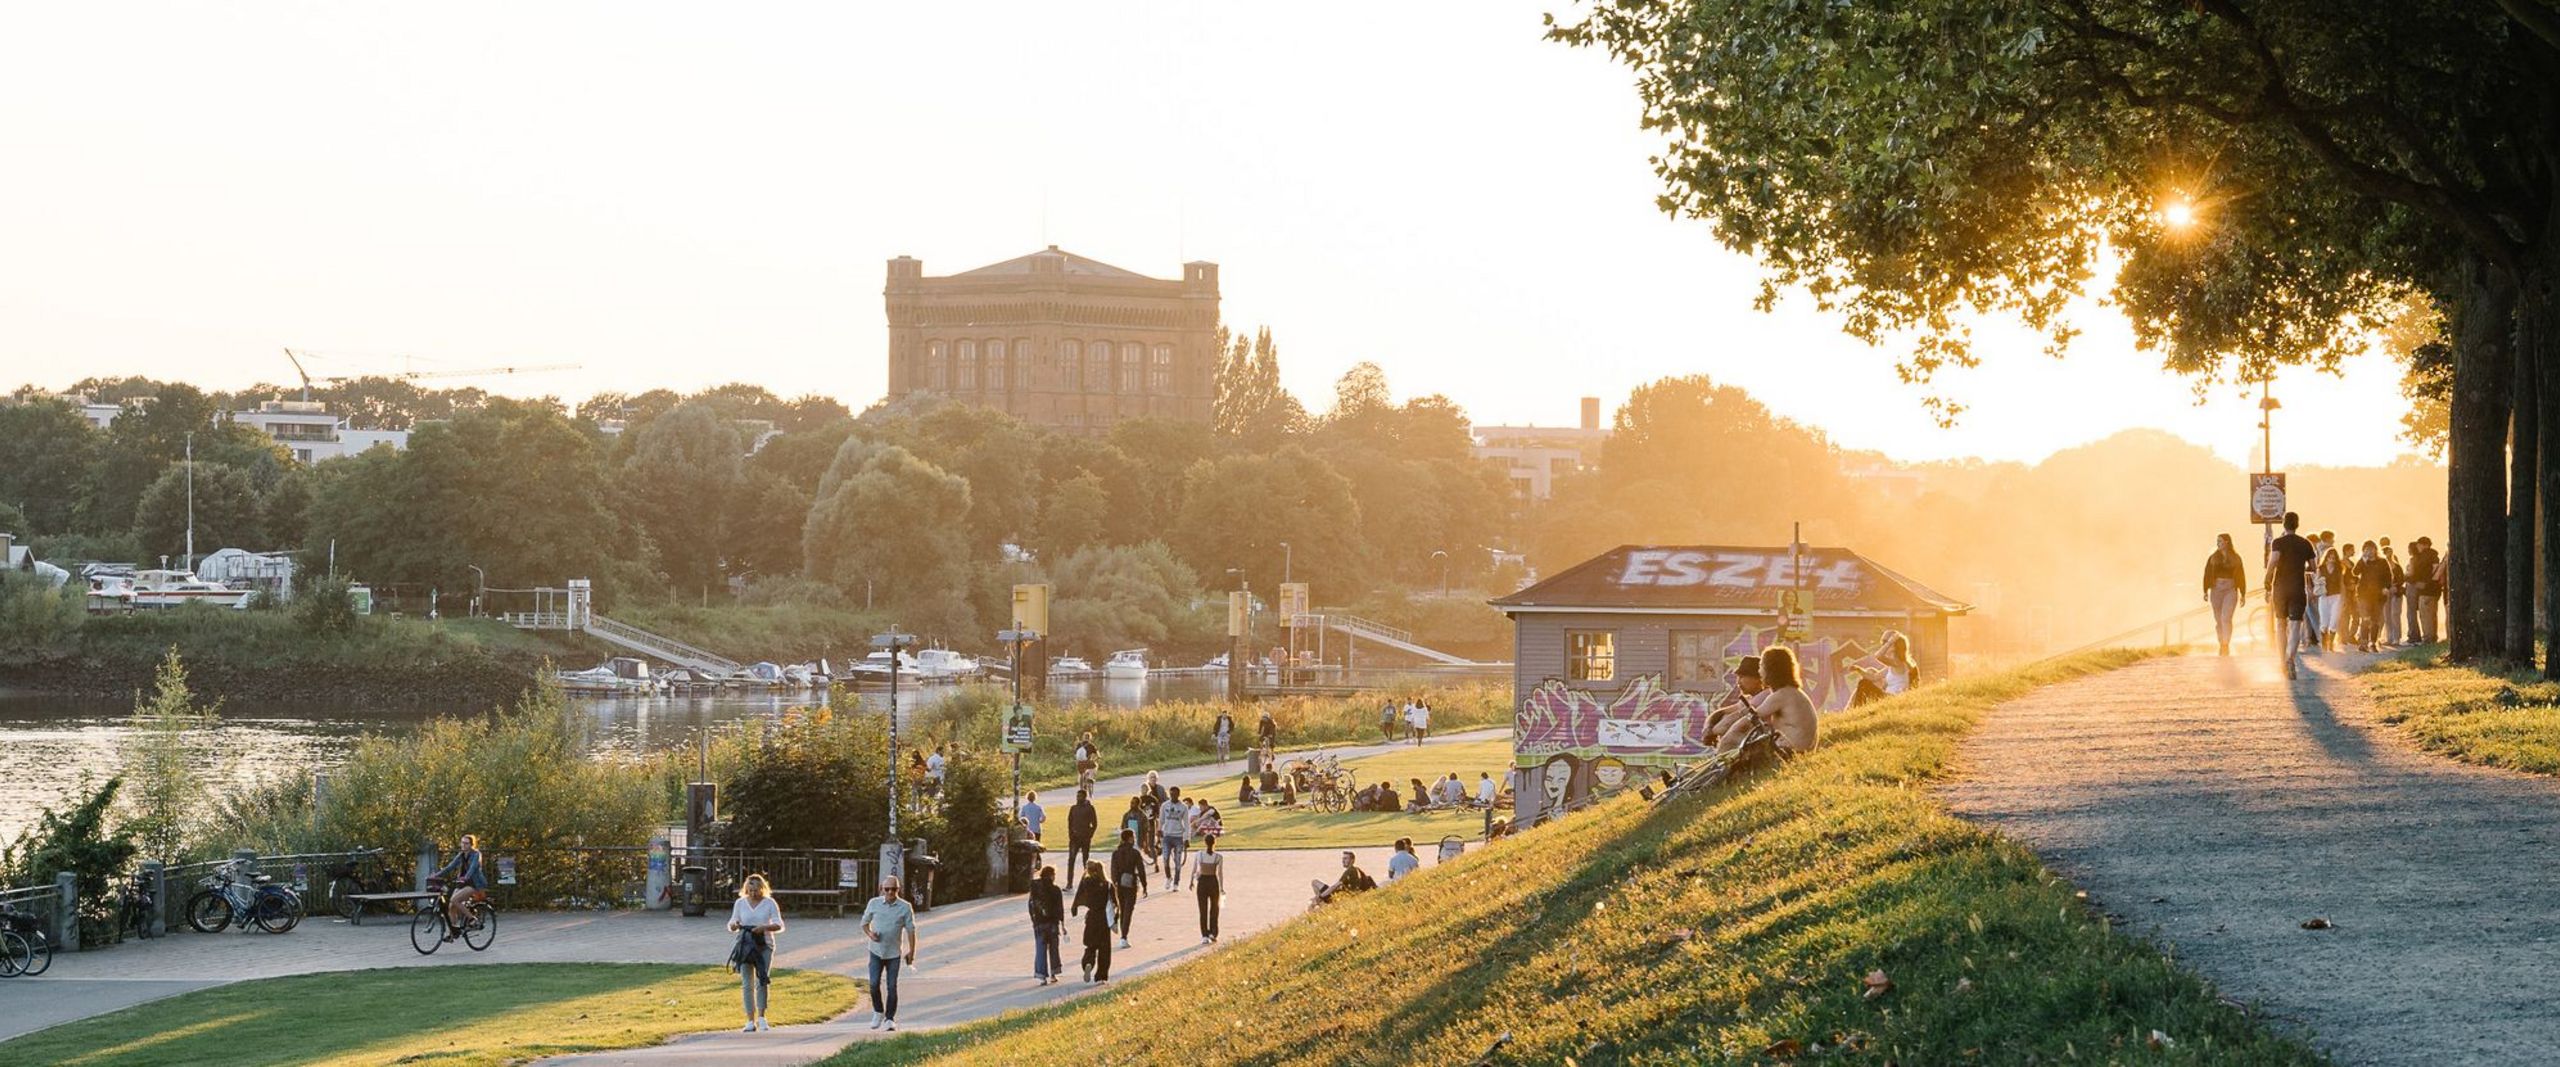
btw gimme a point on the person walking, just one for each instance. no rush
(2288, 578)
(1082, 820)
(755, 917)
(1034, 817)
(2223, 582)
(2373, 578)
(1093, 898)
(1223, 732)
(2334, 565)
(2394, 596)
(2426, 586)
(1210, 887)
(890, 923)
(1388, 720)
(1128, 879)
(1173, 824)
(1048, 916)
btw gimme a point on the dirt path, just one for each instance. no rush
(2207, 803)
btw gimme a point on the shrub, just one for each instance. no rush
(76, 840)
(38, 621)
(327, 606)
(165, 800)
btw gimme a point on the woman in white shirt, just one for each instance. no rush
(1900, 670)
(755, 918)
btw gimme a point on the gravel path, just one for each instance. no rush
(2206, 802)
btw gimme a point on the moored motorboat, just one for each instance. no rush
(1126, 664)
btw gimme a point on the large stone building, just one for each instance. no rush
(1056, 339)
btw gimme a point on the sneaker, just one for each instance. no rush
(891, 1026)
(876, 1020)
(763, 1025)
(1205, 939)
(747, 1029)
(1124, 942)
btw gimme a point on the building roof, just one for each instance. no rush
(1075, 265)
(1729, 578)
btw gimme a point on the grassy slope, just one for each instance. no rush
(1259, 827)
(494, 1014)
(2473, 715)
(1705, 931)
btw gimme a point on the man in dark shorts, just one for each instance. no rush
(2286, 559)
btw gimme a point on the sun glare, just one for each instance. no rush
(2179, 214)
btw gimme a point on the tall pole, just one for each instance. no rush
(1017, 702)
(191, 500)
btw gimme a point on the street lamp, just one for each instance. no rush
(892, 854)
(1442, 555)
(1286, 555)
(2267, 405)
(479, 587)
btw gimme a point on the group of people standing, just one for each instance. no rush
(2330, 595)
(1155, 837)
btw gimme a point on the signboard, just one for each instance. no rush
(1236, 613)
(1739, 571)
(1794, 623)
(1293, 601)
(1017, 730)
(506, 870)
(2266, 498)
(849, 873)
(301, 878)
(1031, 607)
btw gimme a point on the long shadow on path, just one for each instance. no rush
(2214, 804)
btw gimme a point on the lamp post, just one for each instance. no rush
(479, 588)
(892, 854)
(1016, 636)
(1287, 555)
(191, 500)
(1442, 555)
(2267, 406)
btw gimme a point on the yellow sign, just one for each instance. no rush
(1235, 614)
(1293, 601)
(1031, 608)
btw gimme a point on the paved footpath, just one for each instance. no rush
(976, 960)
(2209, 803)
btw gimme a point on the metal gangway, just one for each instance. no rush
(1391, 636)
(572, 609)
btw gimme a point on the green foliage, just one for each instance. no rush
(1238, 510)
(326, 605)
(1252, 407)
(166, 802)
(46, 449)
(36, 619)
(227, 511)
(118, 547)
(887, 520)
(2494, 718)
(681, 484)
(1137, 596)
(80, 840)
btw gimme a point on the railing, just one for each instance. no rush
(537, 620)
(666, 648)
(1354, 624)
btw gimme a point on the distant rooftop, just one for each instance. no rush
(1075, 264)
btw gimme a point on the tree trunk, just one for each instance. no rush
(2538, 339)
(2476, 490)
(2524, 481)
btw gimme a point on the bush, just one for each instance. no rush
(327, 606)
(77, 840)
(38, 621)
(165, 800)
(816, 779)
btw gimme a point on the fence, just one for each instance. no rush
(46, 903)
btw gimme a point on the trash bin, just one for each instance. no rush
(695, 891)
(921, 866)
(1024, 862)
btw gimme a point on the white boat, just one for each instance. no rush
(945, 665)
(169, 589)
(874, 668)
(621, 675)
(1126, 664)
(1069, 667)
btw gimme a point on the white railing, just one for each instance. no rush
(1355, 625)
(666, 648)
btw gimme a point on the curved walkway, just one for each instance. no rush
(2209, 803)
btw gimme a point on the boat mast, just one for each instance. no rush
(191, 500)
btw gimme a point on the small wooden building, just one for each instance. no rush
(1618, 661)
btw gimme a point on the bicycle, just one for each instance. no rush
(25, 948)
(137, 908)
(428, 927)
(350, 878)
(252, 901)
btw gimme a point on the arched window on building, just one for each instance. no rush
(937, 368)
(995, 365)
(1022, 363)
(1097, 365)
(1071, 366)
(968, 378)
(1133, 362)
(1160, 374)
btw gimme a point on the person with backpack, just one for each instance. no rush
(1048, 914)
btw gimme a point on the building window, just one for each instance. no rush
(995, 364)
(1098, 367)
(1071, 366)
(1160, 375)
(1133, 358)
(1590, 655)
(937, 368)
(1696, 658)
(1022, 363)
(968, 365)
(1072, 420)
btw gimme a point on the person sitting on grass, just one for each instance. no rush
(1484, 789)
(1353, 880)
(1403, 861)
(1453, 793)
(1421, 800)
(1787, 710)
(1244, 793)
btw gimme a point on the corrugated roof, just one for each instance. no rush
(1730, 577)
(1075, 265)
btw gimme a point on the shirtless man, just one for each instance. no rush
(1786, 709)
(1745, 699)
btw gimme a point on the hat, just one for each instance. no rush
(1750, 667)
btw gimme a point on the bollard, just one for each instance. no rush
(427, 864)
(155, 877)
(66, 912)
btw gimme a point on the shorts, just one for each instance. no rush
(2290, 603)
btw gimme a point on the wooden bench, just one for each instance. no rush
(364, 900)
(836, 895)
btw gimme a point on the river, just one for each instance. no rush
(49, 745)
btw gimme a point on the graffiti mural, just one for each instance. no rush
(1649, 723)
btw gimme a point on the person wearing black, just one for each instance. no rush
(2223, 576)
(1081, 822)
(1128, 879)
(2372, 588)
(2426, 590)
(1093, 898)
(2287, 560)
(1267, 732)
(1048, 913)
(1210, 885)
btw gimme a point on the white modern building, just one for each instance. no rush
(1535, 456)
(311, 433)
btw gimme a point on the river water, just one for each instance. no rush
(49, 744)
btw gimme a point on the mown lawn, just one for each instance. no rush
(461, 1016)
(1741, 927)
(2473, 715)
(1259, 827)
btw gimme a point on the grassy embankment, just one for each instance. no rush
(1740, 927)
(1178, 733)
(1261, 827)
(2497, 719)
(464, 1016)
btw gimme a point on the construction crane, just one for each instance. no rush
(306, 375)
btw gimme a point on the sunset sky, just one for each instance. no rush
(683, 195)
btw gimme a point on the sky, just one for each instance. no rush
(679, 195)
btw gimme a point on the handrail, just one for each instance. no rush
(1351, 624)
(668, 648)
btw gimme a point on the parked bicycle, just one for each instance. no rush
(135, 911)
(25, 947)
(427, 929)
(363, 872)
(237, 893)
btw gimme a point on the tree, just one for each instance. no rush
(165, 798)
(46, 449)
(79, 840)
(891, 523)
(2276, 176)
(226, 511)
(681, 486)
(1074, 515)
(1130, 596)
(1238, 510)
(1252, 407)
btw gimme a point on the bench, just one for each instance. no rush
(835, 895)
(364, 900)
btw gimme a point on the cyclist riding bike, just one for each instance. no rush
(470, 883)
